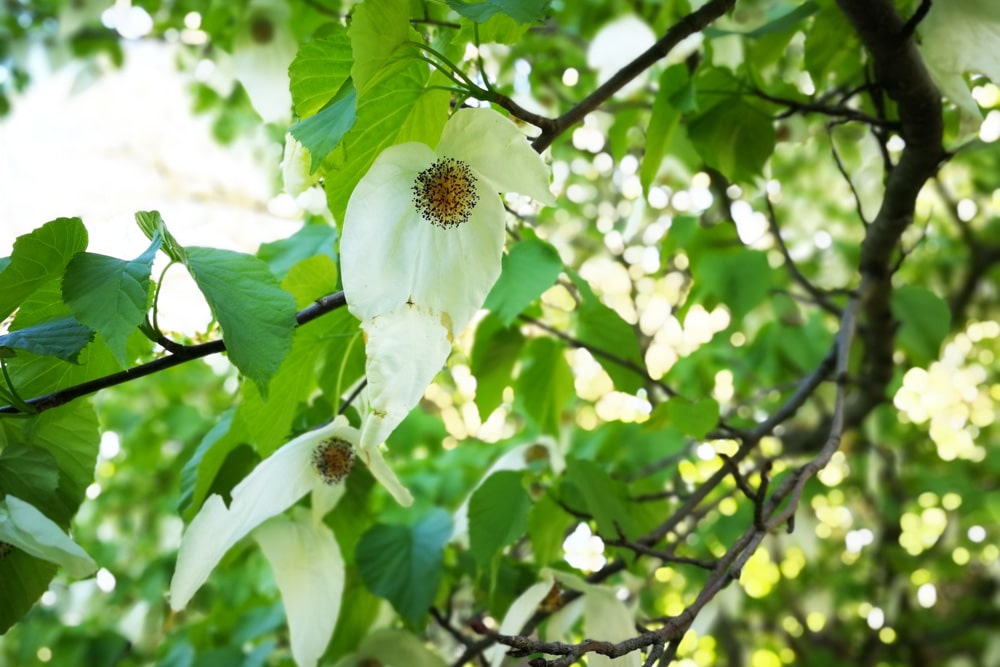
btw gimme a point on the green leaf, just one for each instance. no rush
(545, 384)
(734, 137)
(547, 525)
(256, 315)
(27, 529)
(30, 473)
(830, 46)
(319, 70)
(925, 320)
(530, 268)
(522, 11)
(310, 240)
(269, 418)
(377, 30)
(395, 107)
(393, 646)
(664, 119)
(152, 224)
(202, 468)
(605, 498)
(69, 437)
(70, 434)
(498, 515)
(110, 295)
(740, 278)
(693, 418)
(62, 339)
(785, 22)
(321, 133)
(403, 564)
(37, 257)
(604, 331)
(494, 353)
(498, 29)
(23, 579)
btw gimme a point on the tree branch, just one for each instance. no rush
(903, 76)
(321, 306)
(687, 26)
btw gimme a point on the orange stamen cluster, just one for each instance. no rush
(333, 460)
(445, 193)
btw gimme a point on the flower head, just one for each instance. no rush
(422, 243)
(302, 551)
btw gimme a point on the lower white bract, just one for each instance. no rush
(302, 551)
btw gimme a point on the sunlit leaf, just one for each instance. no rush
(256, 315)
(37, 257)
(494, 353)
(611, 340)
(320, 133)
(545, 383)
(530, 268)
(110, 295)
(319, 70)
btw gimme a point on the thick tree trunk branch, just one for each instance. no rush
(900, 71)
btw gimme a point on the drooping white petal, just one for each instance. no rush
(200, 551)
(383, 474)
(272, 487)
(382, 231)
(309, 570)
(325, 497)
(406, 348)
(497, 150)
(23, 526)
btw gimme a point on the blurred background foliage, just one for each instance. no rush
(668, 208)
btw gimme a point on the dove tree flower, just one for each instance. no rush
(303, 552)
(422, 242)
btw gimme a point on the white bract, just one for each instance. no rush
(958, 37)
(295, 167)
(302, 551)
(422, 242)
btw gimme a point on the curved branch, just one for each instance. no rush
(321, 306)
(687, 26)
(902, 74)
